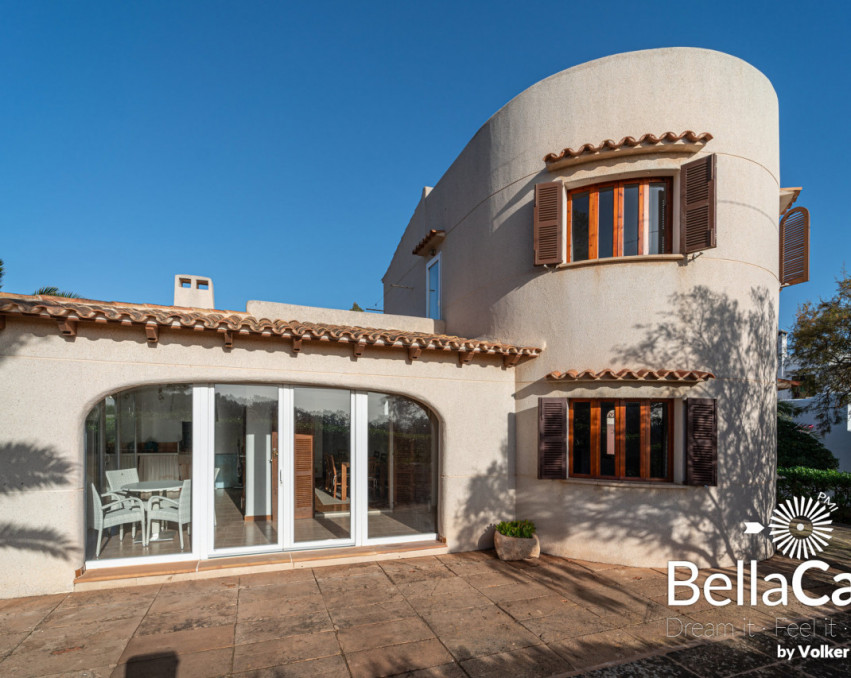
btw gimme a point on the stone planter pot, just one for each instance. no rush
(516, 548)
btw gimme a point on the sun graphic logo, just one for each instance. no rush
(799, 527)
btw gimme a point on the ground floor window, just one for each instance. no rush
(277, 467)
(623, 439)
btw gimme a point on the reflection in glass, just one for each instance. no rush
(630, 220)
(323, 472)
(632, 442)
(402, 467)
(582, 438)
(579, 227)
(606, 223)
(607, 439)
(246, 466)
(659, 440)
(140, 435)
(658, 199)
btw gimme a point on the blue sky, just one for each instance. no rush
(280, 148)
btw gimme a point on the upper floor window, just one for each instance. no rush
(433, 288)
(620, 219)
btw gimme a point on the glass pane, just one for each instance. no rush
(659, 440)
(139, 462)
(323, 473)
(434, 290)
(630, 220)
(658, 201)
(607, 439)
(605, 223)
(581, 438)
(245, 470)
(632, 442)
(579, 227)
(402, 466)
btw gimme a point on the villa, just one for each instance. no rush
(579, 329)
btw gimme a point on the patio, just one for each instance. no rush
(454, 615)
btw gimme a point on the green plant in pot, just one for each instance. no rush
(516, 540)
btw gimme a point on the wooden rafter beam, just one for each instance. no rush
(152, 333)
(67, 328)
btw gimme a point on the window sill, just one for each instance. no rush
(620, 260)
(657, 485)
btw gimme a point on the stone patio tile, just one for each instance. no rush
(268, 653)
(206, 585)
(473, 632)
(89, 614)
(180, 642)
(21, 615)
(600, 648)
(209, 664)
(722, 658)
(324, 667)
(353, 570)
(382, 634)
(359, 597)
(275, 578)
(485, 580)
(523, 590)
(258, 608)
(661, 633)
(443, 671)
(353, 584)
(450, 601)
(9, 642)
(700, 605)
(431, 587)
(649, 667)
(72, 648)
(129, 595)
(188, 619)
(464, 564)
(281, 627)
(415, 569)
(542, 606)
(98, 672)
(610, 601)
(573, 622)
(394, 659)
(346, 617)
(282, 591)
(174, 601)
(737, 616)
(529, 662)
(592, 566)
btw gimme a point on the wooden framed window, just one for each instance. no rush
(623, 439)
(620, 219)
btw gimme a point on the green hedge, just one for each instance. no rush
(801, 481)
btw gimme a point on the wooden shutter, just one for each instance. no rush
(795, 247)
(697, 205)
(701, 442)
(303, 489)
(549, 224)
(552, 437)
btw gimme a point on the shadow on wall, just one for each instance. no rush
(703, 330)
(24, 468)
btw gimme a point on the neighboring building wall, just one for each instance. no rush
(715, 311)
(51, 383)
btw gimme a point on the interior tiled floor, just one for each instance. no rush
(465, 614)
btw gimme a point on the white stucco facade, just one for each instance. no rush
(714, 312)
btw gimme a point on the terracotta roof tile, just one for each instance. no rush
(626, 375)
(645, 142)
(433, 237)
(232, 323)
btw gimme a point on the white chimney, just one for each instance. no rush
(193, 290)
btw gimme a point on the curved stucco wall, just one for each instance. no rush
(715, 311)
(51, 382)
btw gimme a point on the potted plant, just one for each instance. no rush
(516, 540)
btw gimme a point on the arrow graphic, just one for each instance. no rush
(753, 528)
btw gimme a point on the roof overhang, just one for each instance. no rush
(788, 196)
(431, 241)
(668, 142)
(632, 376)
(67, 313)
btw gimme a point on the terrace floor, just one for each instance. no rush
(448, 616)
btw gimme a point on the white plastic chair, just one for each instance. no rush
(118, 479)
(173, 511)
(121, 511)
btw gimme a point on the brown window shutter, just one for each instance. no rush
(697, 205)
(552, 437)
(795, 247)
(549, 223)
(701, 442)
